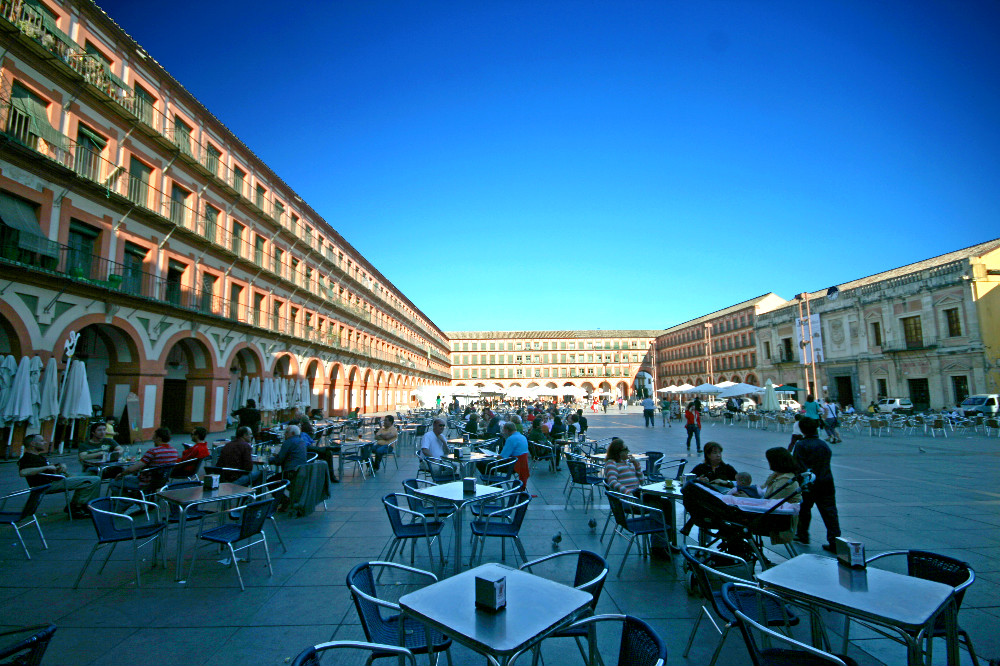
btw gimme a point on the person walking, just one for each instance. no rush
(692, 423)
(665, 412)
(605, 403)
(813, 454)
(831, 413)
(649, 412)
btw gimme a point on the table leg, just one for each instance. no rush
(458, 537)
(951, 632)
(181, 523)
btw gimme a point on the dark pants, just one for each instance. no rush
(650, 417)
(380, 450)
(696, 432)
(825, 498)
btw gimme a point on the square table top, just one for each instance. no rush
(184, 496)
(535, 607)
(883, 596)
(455, 492)
(669, 488)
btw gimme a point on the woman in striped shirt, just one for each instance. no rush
(621, 470)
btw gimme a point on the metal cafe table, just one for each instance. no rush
(906, 604)
(185, 498)
(666, 493)
(467, 463)
(535, 608)
(453, 493)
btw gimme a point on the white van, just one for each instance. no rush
(983, 403)
(894, 405)
(789, 405)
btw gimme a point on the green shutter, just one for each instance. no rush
(96, 138)
(26, 103)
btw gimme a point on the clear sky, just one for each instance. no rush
(573, 164)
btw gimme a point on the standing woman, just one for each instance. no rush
(692, 417)
(621, 471)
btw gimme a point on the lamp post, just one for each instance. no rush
(805, 323)
(708, 349)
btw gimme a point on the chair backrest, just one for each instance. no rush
(34, 499)
(421, 431)
(520, 501)
(158, 475)
(577, 469)
(745, 602)
(651, 458)
(941, 569)
(311, 655)
(186, 469)
(29, 650)
(441, 472)
(640, 644)
(254, 515)
(504, 466)
(100, 510)
(391, 503)
(361, 577)
(676, 464)
(712, 569)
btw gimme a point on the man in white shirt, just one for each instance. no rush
(649, 412)
(433, 444)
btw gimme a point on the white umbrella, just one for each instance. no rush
(706, 388)
(725, 384)
(8, 368)
(305, 394)
(266, 399)
(34, 383)
(667, 389)
(18, 407)
(49, 406)
(575, 391)
(294, 389)
(75, 403)
(282, 393)
(738, 389)
(770, 401)
(683, 388)
(254, 393)
(244, 390)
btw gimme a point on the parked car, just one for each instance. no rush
(746, 404)
(894, 405)
(789, 405)
(982, 403)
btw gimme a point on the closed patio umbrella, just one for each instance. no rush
(244, 390)
(75, 403)
(49, 404)
(770, 401)
(18, 407)
(8, 368)
(305, 394)
(34, 382)
(254, 393)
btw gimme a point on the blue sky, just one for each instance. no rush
(565, 165)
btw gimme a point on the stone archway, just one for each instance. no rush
(191, 379)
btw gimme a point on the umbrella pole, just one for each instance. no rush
(10, 438)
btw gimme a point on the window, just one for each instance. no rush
(279, 211)
(786, 350)
(207, 292)
(80, 257)
(89, 145)
(237, 237)
(145, 103)
(258, 251)
(175, 275)
(235, 294)
(913, 332)
(212, 157)
(182, 136)
(178, 204)
(239, 179)
(883, 388)
(211, 222)
(138, 182)
(259, 200)
(135, 256)
(960, 388)
(876, 334)
(954, 323)
(767, 350)
(279, 256)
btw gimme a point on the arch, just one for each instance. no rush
(752, 379)
(551, 385)
(622, 389)
(605, 386)
(316, 381)
(14, 337)
(588, 387)
(284, 364)
(352, 387)
(735, 378)
(533, 385)
(246, 358)
(190, 379)
(197, 350)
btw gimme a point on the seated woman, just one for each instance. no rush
(622, 473)
(713, 470)
(781, 484)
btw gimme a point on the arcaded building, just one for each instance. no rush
(135, 218)
(613, 361)
(716, 347)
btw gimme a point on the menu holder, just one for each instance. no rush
(469, 485)
(211, 482)
(491, 592)
(850, 553)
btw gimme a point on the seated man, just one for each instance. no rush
(135, 477)
(433, 444)
(198, 447)
(33, 467)
(385, 437)
(237, 454)
(293, 452)
(98, 443)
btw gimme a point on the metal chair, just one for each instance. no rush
(498, 471)
(272, 489)
(640, 645)
(496, 502)
(426, 508)
(504, 524)
(743, 602)
(362, 457)
(581, 478)
(590, 573)
(417, 637)
(26, 516)
(311, 655)
(419, 527)
(652, 473)
(29, 650)
(109, 533)
(441, 471)
(540, 451)
(251, 524)
(937, 568)
(676, 466)
(633, 520)
(53, 478)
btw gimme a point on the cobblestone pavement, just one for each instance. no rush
(939, 494)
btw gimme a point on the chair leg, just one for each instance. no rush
(607, 521)
(718, 648)
(267, 554)
(232, 554)
(106, 559)
(194, 556)
(21, 540)
(135, 561)
(281, 540)
(520, 549)
(85, 565)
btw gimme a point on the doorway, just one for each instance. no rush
(920, 394)
(174, 399)
(845, 390)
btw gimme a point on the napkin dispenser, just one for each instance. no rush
(491, 592)
(850, 553)
(211, 482)
(469, 485)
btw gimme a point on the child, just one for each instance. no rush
(745, 487)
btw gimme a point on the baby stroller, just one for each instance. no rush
(738, 527)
